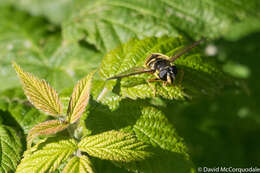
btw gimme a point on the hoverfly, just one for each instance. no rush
(161, 66)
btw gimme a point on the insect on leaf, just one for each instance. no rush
(45, 128)
(79, 98)
(80, 164)
(39, 93)
(197, 74)
(48, 156)
(114, 145)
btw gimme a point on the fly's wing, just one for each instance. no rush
(131, 72)
(186, 49)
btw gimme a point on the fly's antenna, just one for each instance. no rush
(131, 74)
(174, 57)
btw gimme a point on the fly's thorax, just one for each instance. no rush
(163, 69)
(158, 64)
(153, 59)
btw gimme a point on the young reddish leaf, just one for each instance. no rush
(45, 128)
(114, 145)
(79, 165)
(79, 98)
(39, 92)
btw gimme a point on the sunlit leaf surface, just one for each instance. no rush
(48, 156)
(39, 92)
(45, 128)
(79, 98)
(115, 146)
(80, 164)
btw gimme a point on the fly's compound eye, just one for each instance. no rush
(163, 75)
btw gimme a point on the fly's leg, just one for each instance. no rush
(152, 86)
(153, 80)
(165, 83)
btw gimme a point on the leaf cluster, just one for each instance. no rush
(137, 125)
(111, 145)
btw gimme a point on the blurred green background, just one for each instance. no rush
(63, 40)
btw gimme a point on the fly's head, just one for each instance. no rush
(168, 74)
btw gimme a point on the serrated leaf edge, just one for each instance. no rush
(39, 92)
(37, 130)
(79, 98)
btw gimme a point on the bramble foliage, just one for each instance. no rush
(45, 128)
(99, 22)
(79, 164)
(118, 146)
(47, 156)
(40, 93)
(202, 75)
(210, 117)
(79, 99)
(11, 149)
(114, 145)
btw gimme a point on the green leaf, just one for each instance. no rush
(151, 126)
(39, 93)
(106, 24)
(1, 120)
(55, 11)
(45, 128)
(201, 75)
(102, 92)
(162, 161)
(10, 149)
(40, 51)
(48, 155)
(18, 111)
(80, 164)
(154, 128)
(114, 145)
(79, 98)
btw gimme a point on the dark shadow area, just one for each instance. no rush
(101, 118)
(169, 161)
(224, 131)
(8, 120)
(116, 88)
(85, 44)
(106, 166)
(198, 83)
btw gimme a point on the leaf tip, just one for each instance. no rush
(16, 67)
(79, 98)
